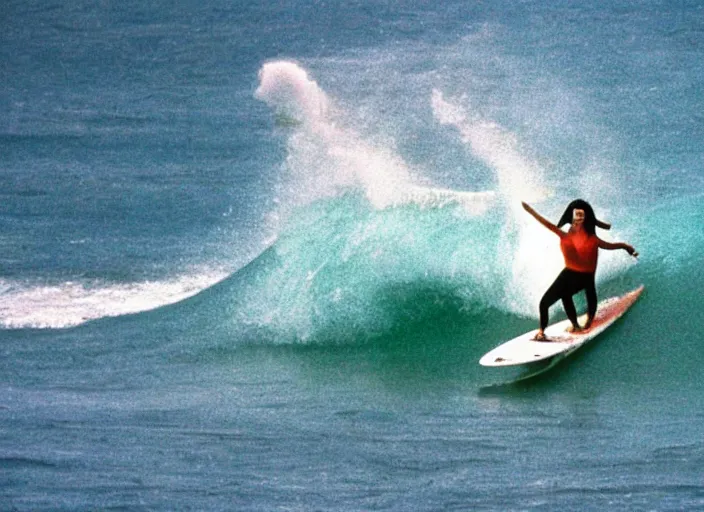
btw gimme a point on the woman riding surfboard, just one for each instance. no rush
(580, 249)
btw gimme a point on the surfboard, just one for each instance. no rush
(524, 350)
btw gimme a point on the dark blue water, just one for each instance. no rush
(251, 254)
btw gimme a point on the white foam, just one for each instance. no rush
(285, 86)
(474, 203)
(527, 251)
(519, 177)
(326, 158)
(73, 303)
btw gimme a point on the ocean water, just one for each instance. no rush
(253, 252)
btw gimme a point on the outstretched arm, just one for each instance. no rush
(618, 245)
(545, 222)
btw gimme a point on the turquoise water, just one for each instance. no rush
(252, 254)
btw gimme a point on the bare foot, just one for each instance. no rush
(574, 328)
(540, 336)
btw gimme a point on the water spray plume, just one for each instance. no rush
(325, 157)
(286, 87)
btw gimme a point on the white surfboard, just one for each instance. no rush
(524, 350)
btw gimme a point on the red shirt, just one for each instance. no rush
(580, 251)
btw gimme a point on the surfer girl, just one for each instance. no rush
(580, 248)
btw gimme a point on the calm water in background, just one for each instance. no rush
(251, 254)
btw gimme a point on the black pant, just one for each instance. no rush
(565, 286)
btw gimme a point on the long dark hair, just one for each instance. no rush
(590, 220)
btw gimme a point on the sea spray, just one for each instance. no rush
(524, 246)
(286, 87)
(326, 157)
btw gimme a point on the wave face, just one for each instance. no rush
(348, 274)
